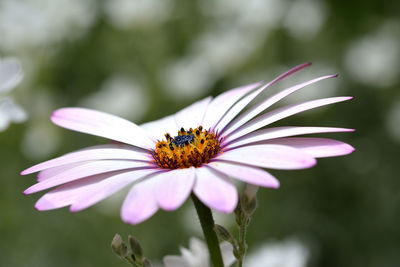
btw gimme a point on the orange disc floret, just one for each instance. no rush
(189, 148)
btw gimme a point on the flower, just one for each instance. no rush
(197, 255)
(10, 77)
(290, 252)
(167, 160)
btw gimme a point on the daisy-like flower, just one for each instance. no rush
(197, 150)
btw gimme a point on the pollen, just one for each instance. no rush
(192, 147)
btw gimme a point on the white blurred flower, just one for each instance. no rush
(38, 22)
(288, 253)
(10, 75)
(197, 255)
(305, 19)
(126, 13)
(120, 95)
(374, 59)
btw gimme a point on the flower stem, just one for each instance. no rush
(207, 224)
(242, 241)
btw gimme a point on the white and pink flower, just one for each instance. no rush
(197, 150)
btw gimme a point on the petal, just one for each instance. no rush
(215, 190)
(67, 194)
(84, 170)
(160, 127)
(277, 132)
(316, 147)
(140, 204)
(227, 253)
(270, 156)
(260, 107)
(10, 74)
(93, 153)
(221, 104)
(107, 187)
(48, 173)
(252, 175)
(193, 115)
(240, 105)
(280, 113)
(103, 125)
(173, 187)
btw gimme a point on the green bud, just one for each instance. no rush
(249, 199)
(136, 248)
(118, 246)
(223, 233)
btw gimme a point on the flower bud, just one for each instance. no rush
(223, 233)
(135, 247)
(249, 199)
(119, 247)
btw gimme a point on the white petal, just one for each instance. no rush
(223, 102)
(316, 147)
(107, 187)
(84, 170)
(240, 105)
(260, 107)
(193, 115)
(100, 152)
(215, 190)
(67, 194)
(280, 113)
(102, 124)
(277, 132)
(160, 127)
(270, 156)
(252, 175)
(140, 204)
(173, 187)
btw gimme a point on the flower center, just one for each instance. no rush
(187, 149)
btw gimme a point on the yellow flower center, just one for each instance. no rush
(189, 148)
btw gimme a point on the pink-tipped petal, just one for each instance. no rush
(223, 102)
(278, 132)
(93, 153)
(67, 194)
(84, 170)
(192, 115)
(103, 125)
(260, 107)
(248, 174)
(172, 188)
(270, 156)
(280, 113)
(140, 204)
(109, 186)
(215, 190)
(240, 105)
(160, 127)
(48, 173)
(316, 147)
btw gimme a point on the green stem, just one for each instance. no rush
(207, 224)
(242, 241)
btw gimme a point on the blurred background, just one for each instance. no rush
(145, 59)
